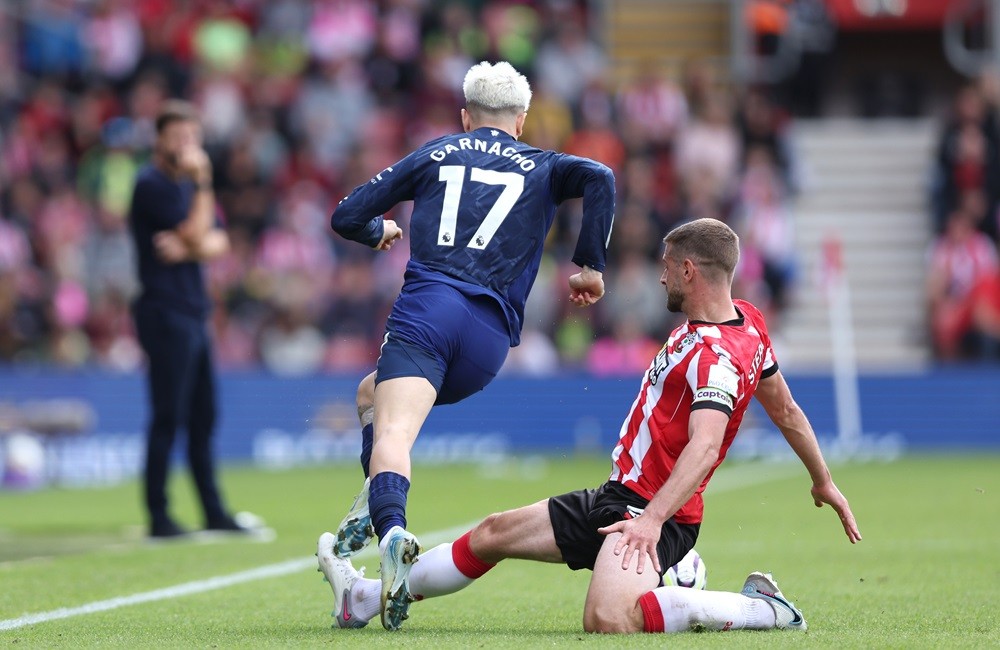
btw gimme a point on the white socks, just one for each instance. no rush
(678, 609)
(366, 599)
(434, 574)
(666, 609)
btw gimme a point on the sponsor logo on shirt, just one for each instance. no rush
(723, 378)
(687, 340)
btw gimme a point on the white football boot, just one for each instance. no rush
(401, 551)
(342, 577)
(764, 587)
(355, 531)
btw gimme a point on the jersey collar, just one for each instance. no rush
(736, 322)
(492, 132)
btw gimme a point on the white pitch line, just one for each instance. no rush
(742, 477)
(201, 586)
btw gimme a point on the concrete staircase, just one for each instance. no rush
(866, 184)
(666, 33)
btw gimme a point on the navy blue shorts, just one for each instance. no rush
(458, 343)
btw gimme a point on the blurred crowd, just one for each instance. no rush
(963, 280)
(301, 101)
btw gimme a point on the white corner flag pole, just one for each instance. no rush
(845, 368)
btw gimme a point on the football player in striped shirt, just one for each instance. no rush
(483, 203)
(646, 517)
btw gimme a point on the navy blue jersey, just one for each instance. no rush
(483, 205)
(161, 203)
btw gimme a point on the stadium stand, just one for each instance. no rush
(866, 190)
(300, 102)
(303, 100)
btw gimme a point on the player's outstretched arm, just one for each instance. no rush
(776, 398)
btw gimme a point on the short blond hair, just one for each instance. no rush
(496, 88)
(707, 242)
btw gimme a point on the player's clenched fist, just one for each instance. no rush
(586, 287)
(390, 234)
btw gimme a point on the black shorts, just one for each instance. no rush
(576, 516)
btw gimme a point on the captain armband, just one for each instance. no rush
(709, 397)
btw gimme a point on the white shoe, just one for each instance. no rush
(342, 577)
(764, 587)
(401, 551)
(355, 531)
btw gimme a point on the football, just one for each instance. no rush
(689, 572)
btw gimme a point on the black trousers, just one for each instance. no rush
(181, 387)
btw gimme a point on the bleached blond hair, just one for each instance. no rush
(496, 88)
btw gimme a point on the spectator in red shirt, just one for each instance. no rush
(959, 260)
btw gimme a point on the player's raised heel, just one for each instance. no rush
(355, 531)
(764, 587)
(400, 554)
(342, 577)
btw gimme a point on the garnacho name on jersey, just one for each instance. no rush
(475, 144)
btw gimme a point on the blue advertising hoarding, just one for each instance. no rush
(279, 422)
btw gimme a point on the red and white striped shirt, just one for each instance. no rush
(702, 365)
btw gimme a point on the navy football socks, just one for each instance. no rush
(367, 441)
(387, 501)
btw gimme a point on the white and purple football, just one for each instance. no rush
(689, 572)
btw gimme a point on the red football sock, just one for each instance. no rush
(652, 616)
(466, 561)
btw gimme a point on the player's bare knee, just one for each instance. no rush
(394, 434)
(488, 540)
(607, 618)
(611, 616)
(487, 532)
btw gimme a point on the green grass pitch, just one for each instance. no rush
(927, 574)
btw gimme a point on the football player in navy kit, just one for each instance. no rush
(483, 203)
